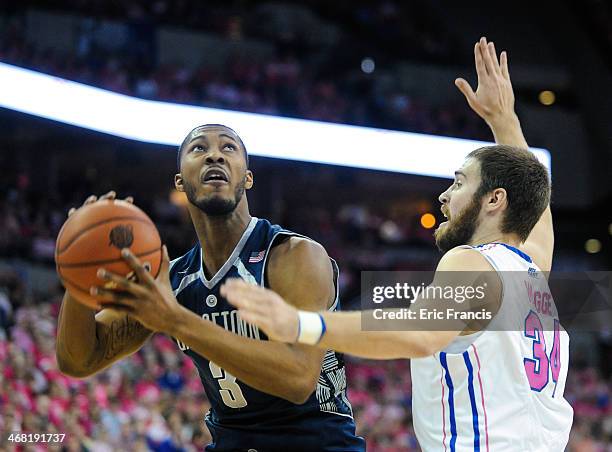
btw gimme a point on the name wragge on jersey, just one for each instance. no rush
(541, 300)
(231, 321)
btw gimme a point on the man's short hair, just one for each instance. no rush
(523, 177)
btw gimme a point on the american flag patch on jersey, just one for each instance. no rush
(257, 257)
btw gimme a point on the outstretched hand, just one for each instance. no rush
(493, 99)
(264, 308)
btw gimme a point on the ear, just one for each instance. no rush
(497, 199)
(178, 182)
(248, 182)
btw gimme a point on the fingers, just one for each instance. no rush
(493, 58)
(486, 56)
(120, 283)
(249, 297)
(143, 275)
(164, 269)
(108, 297)
(504, 65)
(109, 196)
(481, 70)
(466, 89)
(470, 96)
(90, 199)
(165, 263)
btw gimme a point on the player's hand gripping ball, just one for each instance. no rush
(93, 237)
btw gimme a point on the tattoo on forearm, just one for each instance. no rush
(120, 334)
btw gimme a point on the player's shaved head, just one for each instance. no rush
(199, 130)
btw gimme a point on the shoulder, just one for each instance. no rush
(298, 256)
(298, 249)
(300, 268)
(463, 258)
(464, 266)
(467, 269)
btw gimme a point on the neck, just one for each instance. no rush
(482, 237)
(219, 235)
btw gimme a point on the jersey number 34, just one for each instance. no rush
(537, 367)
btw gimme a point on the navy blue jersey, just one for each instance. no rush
(242, 418)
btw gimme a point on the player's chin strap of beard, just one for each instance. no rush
(311, 327)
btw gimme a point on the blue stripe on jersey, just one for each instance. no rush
(451, 401)
(517, 251)
(511, 248)
(468, 364)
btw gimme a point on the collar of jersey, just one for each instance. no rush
(511, 248)
(230, 261)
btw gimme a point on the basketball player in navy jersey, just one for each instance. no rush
(265, 396)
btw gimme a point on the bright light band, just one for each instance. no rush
(268, 136)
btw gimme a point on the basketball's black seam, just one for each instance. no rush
(105, 261)
(86, 291)
(95, 225)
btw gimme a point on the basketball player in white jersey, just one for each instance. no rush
(492, 385)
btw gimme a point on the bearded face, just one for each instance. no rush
(458, 230)
(214, 204)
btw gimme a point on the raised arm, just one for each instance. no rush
(88, 342)
(493, 101)
(299, 269)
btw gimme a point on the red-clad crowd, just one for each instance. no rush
(154, 400)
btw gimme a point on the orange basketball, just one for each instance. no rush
(93, 237)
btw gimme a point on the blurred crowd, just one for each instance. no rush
(298, 80)
(411, 29)
(154, 399)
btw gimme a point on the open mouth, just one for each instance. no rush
(215, 176)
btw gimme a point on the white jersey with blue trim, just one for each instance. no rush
(500, 389)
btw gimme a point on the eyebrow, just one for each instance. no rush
(460, 173)
(228, 136)
(203, 136)
(197, 137)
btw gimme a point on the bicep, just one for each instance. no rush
(302, 274)
(540, 243)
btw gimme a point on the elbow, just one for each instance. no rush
(428, 345)
(424, 350)
(301, 389)
(434, 342)
(69, 369)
